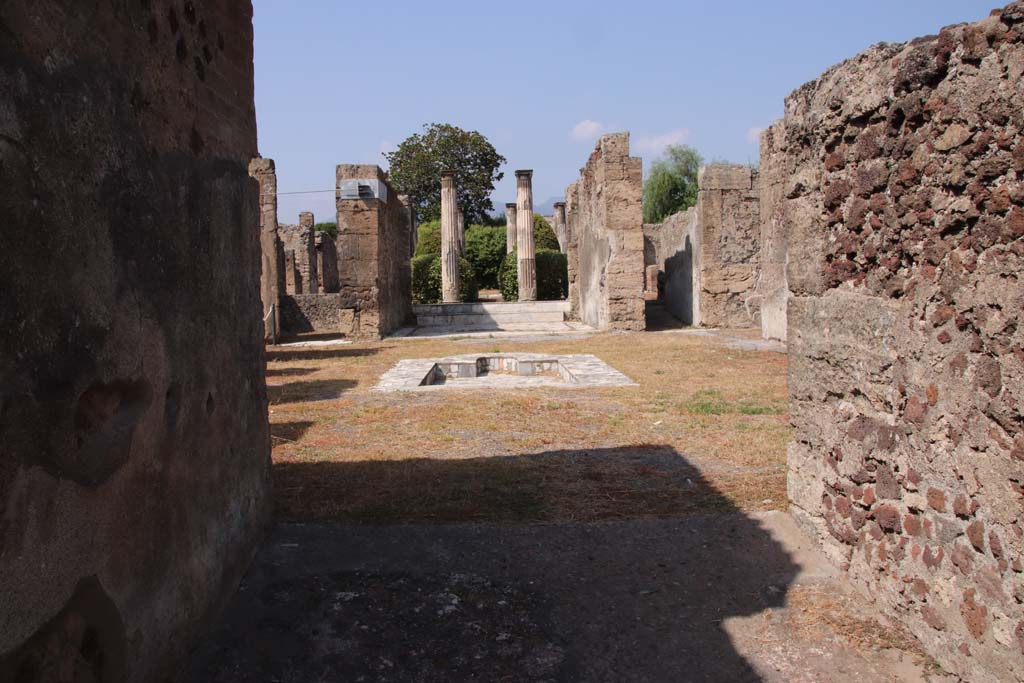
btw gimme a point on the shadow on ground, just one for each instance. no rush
(637, 600)
(308, 390)
(285, 354)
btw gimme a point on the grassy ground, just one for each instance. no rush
(705, 429)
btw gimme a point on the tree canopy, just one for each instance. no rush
(417, 163)
(671, 184)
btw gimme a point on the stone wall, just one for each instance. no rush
(726, 262)
(301, 241)
(134, 477)
(607, 268)
(905, 228)
(264, 172)
(373, 247)
(777, 180)
(323, 313)
(671, 247)
(326, 263)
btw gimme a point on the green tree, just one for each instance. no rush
(417, 163)
(330, 228)
(671, 184)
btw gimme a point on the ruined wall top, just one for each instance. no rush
(725, 177)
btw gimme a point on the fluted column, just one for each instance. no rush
(510, 228)
(526, 262)
(449, 240)
(560, 225)
(461, 232)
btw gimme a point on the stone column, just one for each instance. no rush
(510, 228)
(306, 219)
(526, 262)
(462, 233)
(264, 172)
(449, 240)
(560, 225)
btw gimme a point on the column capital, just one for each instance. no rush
(510, 205)
(524, 173)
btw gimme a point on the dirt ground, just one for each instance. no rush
(547, 534)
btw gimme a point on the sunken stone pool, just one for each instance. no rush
(501, 371)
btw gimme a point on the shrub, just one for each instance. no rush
(485, 249)
(429, 239)
(425, 289)
(543, 235)
(426, 280)
(552, 276)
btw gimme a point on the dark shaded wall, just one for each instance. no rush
(133, 414)
(904, 216)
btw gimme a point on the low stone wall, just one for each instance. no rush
(134, 442)
(905, 233)
(325, 313)
(606, 239)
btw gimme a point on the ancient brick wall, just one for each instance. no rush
(326, 263)
(323, 313)
(264, 172)
(776, 181)
(301, 241)
(672, 247)
(373, 247)
(572, 253)
(608, 234)
(905, 221)
(133, 415)
(726, 262)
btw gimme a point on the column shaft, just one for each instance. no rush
(510, 228)
(449, 241)
(527, 264)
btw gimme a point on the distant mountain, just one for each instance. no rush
(544, 208)
(547, 207)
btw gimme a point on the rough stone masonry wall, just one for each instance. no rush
(775, 175)
(905, 220)
(727, 258)
(607, 231)
(301, 241)
(373, 256)
(133, 414)
(671, 247)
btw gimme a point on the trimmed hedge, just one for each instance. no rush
(544, 236)
(428, 239)
(552, 276)
(426, 280)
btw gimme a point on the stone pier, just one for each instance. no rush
(527, 264)
(264, 172)
(559, 225)
(306, 219)
(510, 228)
(449, 240)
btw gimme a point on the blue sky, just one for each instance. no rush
(338, 82)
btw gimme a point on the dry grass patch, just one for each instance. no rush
(705, 430)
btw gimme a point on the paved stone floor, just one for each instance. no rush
(693, 598)
(584, 370)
